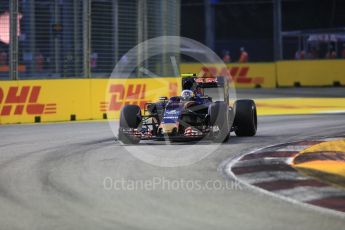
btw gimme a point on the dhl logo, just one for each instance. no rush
(23, 100)
(239, 74)
(134, 94)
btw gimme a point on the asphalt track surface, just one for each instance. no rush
(52, 177)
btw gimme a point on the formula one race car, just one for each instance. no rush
(202, 111)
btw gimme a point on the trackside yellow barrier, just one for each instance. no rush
(50, 100)
(81, 99)
(108, 97)
(311, 73)
(246, 75)
(289, 106)
(282, 73)
(28, 101)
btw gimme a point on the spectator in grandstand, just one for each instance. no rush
(39, 61)
(300, 55)
(226, 57)
(297, 55)
(343, 51)
(68, 65)
(313, 54)
(93, 61)
(243, 56)
(331, 54)
(3, 58)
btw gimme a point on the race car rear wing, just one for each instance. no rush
(191, 81)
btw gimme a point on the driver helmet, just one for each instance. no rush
(187, 94)
(199, 92)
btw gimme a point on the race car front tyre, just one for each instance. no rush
(245, 118)
(130, 118)
(219, 116)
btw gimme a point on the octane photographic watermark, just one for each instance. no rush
(142, 61)
(166, 184)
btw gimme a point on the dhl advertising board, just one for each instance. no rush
(28, 101)
(109, 96)
(82, 99)
(311, 73)
(246, 75)
(50, 100)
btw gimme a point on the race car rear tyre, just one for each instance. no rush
(245, 118)
(219, 116)
(130, 118)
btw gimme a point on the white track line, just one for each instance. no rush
(309, 193)
(263, 161)
(268, 176)
(292, 148)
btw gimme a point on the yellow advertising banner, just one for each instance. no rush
(246, 75)
(109, 96)
(46, 100)
(78, 99)
(28, 101)
(311, 73)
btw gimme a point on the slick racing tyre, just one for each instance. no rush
(130, 118)
(219, 116)
(245, 118)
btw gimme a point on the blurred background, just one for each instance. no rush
(86, 38)
(314, 27)
(78, 38)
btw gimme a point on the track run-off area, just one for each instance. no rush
(77, 176)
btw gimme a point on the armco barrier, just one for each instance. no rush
(246, 75)
(82, 99)
(311, 73)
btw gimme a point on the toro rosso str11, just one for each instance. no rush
(202, 111)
